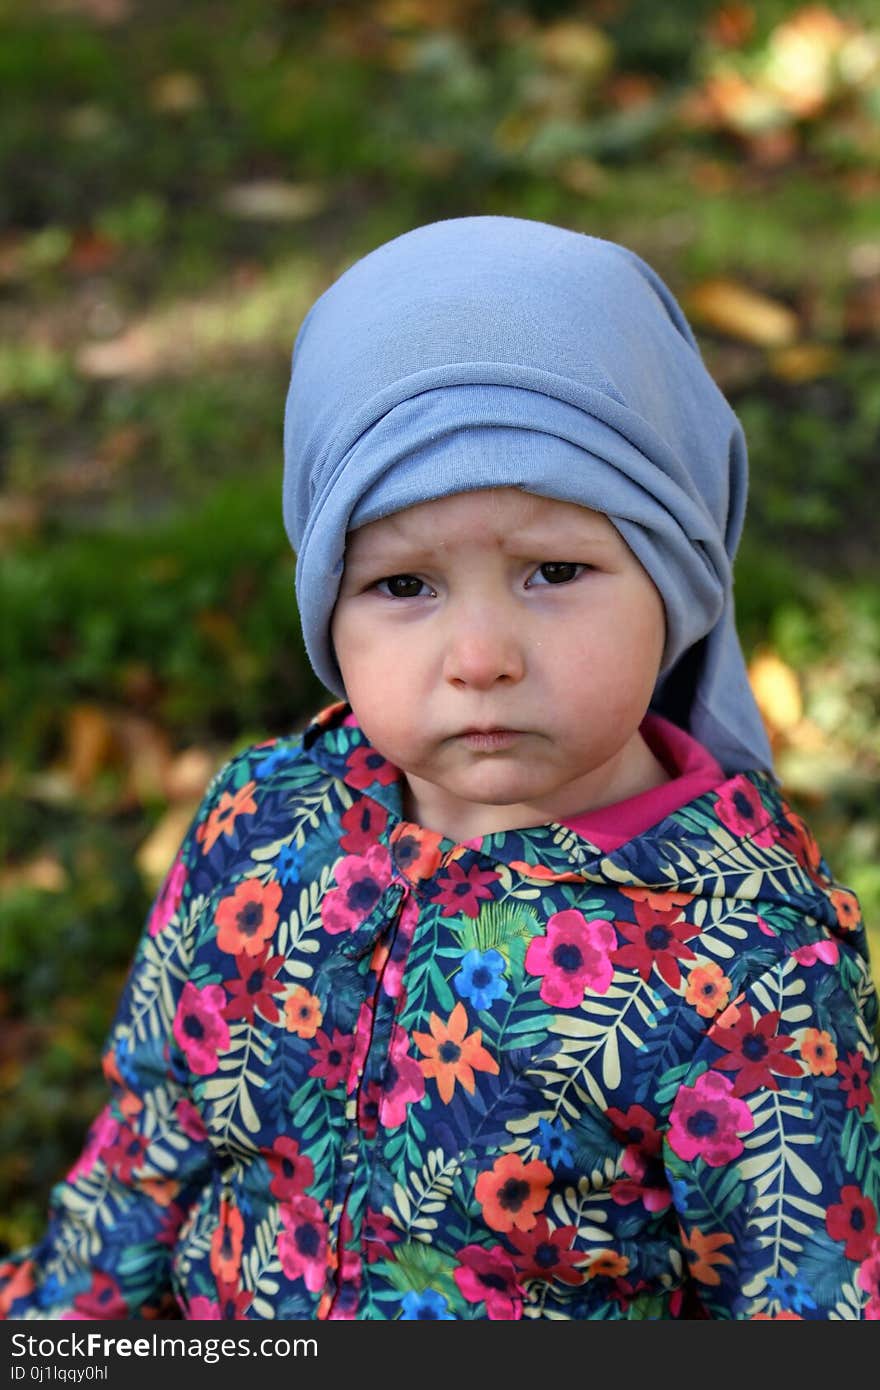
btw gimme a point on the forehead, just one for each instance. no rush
(486, 516)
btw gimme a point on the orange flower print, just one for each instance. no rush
(451, 1056)
(846, 906)
(704, 1253)
(819, 1051)
(512, 1193)
(415, 850)
(302, 1013)
(660, 899)
(248, 917)
(708, 989)
(222, 819)
(226, 1243)
(607, 1264)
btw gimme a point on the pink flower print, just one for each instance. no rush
(826, 951)
(402, 1081)
(461, 892)
(392, 975)
(740, 808)
(363, 1031)
(102, 1135)
(490, 1276)
(200, 1028)
(302, 1242)
(705, 1119)
(190, 1121)
(362, 880)
(868, 1278)
(202, 1309)
(169, 897)
(572, 957)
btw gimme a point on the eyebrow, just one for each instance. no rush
(523, 544)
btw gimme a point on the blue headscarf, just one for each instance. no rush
(501, 352)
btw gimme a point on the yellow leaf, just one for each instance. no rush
(776, 689)
(743, 313)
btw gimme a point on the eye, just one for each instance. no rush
(401, 585)
(558, 572)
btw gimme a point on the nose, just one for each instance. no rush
(484, 648)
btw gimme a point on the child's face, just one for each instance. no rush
(498, 609)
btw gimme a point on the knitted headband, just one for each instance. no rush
(497, 351)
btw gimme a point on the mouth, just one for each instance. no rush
(489, 739)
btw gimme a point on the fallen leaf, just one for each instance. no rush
(742, 313)
(176, 92)
(90, 744)
(272, 200)
(44, 872)
(188, 774)
(157, 852)
(777, 691)
(803, 362)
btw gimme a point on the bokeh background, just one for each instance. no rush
(177, 184)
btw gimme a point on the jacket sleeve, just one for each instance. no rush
(114, 1219)
(772, 1149)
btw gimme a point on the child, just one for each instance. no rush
(511, 988)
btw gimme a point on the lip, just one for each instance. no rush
(489, 739)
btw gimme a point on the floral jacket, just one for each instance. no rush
(361, 1071)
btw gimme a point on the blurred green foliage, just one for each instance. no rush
(176, 184)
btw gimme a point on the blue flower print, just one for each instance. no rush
(792, 1294)
(288, 864)
(557, 1144)
(481, 978)
(427, 1306)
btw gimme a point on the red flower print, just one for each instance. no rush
(855, 1082)
(378, 1236)
(797, 837)
(332, 1056)
(366, 765)
(573, 956)
(544, 1253)
(126, 1153)
(706, 1120)
(233, 1301)
(636, 1128)
(740, 808)
(227, 1243)
(361, 881)
(512, 1193)
(20, 1283)
(363, 823)
(368, 1103)
(461, 892)
(754, 1050)
(199, 1027)
(248, 917)
(819, 1051)
(451, 1056)
(490, 1276)
(660, 899)
(853, 1219)
(416, 850)
(222, 819)
(254, 988)
(302, 1242)
(293, 1171)
(344, 1306)
(402, 1081)
(656, 939)
(102, 1134)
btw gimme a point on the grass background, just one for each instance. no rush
(177, 184)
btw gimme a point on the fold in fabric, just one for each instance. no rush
(500, 352)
